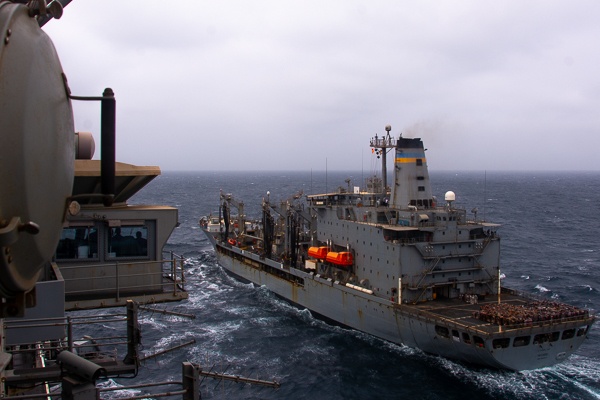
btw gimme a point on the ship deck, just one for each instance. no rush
(463, 314)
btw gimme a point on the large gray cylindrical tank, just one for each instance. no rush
(36, 149)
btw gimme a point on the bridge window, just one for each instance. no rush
(419, 161)
(78, 242)
(128, 241)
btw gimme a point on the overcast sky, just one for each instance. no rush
(296, 85)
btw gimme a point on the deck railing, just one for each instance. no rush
(117, 277)
(68, 324)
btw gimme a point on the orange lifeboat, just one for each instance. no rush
(317, 252)
(343, 258)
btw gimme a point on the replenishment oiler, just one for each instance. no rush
(392, 262)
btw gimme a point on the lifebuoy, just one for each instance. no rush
(232, 242)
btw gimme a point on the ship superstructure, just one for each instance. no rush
(394, 262)
(108, 254)
(426, 250)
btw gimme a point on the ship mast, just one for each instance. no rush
(383, 144)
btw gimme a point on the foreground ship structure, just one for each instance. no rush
(70, 239)
(60, 217)
(395, 263)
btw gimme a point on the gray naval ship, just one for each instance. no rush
(392, 262)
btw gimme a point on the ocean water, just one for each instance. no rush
(550, 247)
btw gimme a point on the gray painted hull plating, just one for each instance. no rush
(401, 324)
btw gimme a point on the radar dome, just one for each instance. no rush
(450, 196)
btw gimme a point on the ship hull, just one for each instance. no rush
(403, 324)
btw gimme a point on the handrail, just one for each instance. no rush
(67, 323)
(170, 278)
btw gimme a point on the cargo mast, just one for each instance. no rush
(384, 143)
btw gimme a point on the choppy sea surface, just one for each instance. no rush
(550, 247)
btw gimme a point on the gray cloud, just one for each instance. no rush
(286, 85)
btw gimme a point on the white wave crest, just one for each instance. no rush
(542, 289)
